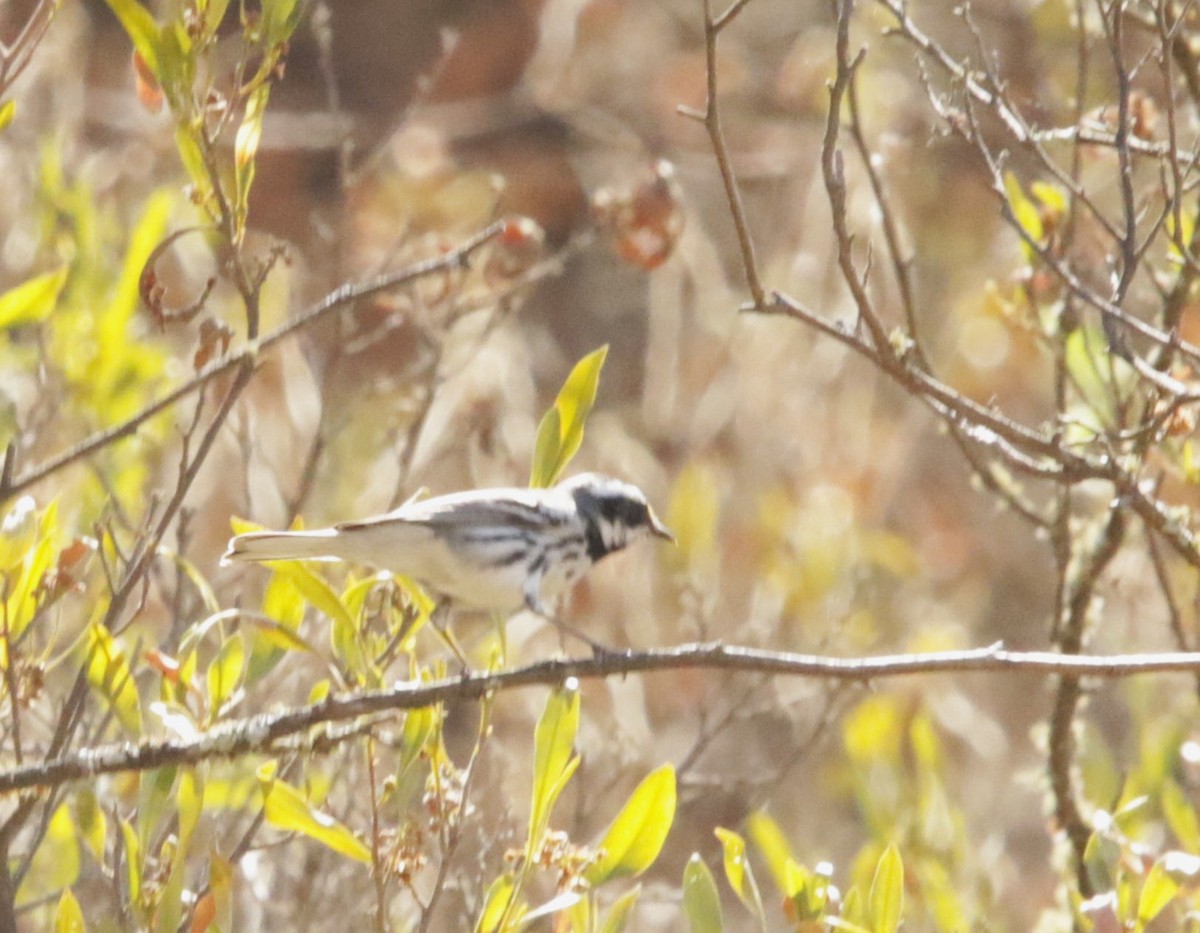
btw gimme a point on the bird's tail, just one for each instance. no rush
(280, 545)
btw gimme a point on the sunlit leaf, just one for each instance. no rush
(143, 31)
(560, 433)
(618, 915)
(225, 673)
(1180, 815)
(7, 111)
(154, 795)
(32, 300)
(90, 822)
(133, 861)
(56, 862)
(285, 808)
(110, 675)
(495, 903)
(554, 762)
(1158, 890)
(886, 900)
(634, 839)
(419, 727)
(68, 918)
(1027, 215)
(773, 846)
(21, 606)
(245, 150)
(738, 871)
(279, 20)
(701, 901)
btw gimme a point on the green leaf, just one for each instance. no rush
(618, 914)
(143, 31)
(245, 151)
(69, 916)
(1158, 890)
(225, 673)
(701, 902)
(553, 761)
(279, 20)
(773, 846)
(738, 871)
(154, 793)
(1180, 815)
(32, 300)
(133, 862)
(22, 604)
(419, 726)
(636, 836)
(285, 808)
(109, 674)
(885, 903)
(56, 862)
(90, 822)
(560, 433)
(499, 893)
(1026, 213)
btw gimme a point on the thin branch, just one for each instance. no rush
(261, 734)
(346, 294)
(711, 118)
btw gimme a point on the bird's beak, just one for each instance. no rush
(660, 530)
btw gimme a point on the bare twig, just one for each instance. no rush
(335, 300)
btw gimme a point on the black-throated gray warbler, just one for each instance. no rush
(495, 549)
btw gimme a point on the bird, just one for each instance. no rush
(487, 549)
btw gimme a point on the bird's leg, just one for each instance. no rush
(599, 650)
(533, 602)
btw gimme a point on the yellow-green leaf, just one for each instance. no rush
(886, 900)
(56, 862)
(90, 822)
(285, 808)
(225, 673)
(419, 727)
(636, 836)
(110, 675)
(154, 793)
(553, 764)
(618, 914)
(245, 149)
(133, 861)
(701, 902)
(773, 846)
(143, 31)
(7, 112)
(1158, 890)
(69, 916)
(1026, 213)
(738, 871)
(32, 300)
(1180, 815)
(495, 904)
(560, 433)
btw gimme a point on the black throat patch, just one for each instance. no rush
(616, 515)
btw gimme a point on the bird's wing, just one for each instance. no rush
(512, 509)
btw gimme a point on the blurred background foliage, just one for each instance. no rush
(818, 508)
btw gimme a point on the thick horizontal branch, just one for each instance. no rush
(454, 259)
(263, 734)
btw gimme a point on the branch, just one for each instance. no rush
(456, 258)
(263, 734)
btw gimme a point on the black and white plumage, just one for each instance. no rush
(495, 549)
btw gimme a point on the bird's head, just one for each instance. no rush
(616, 514)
